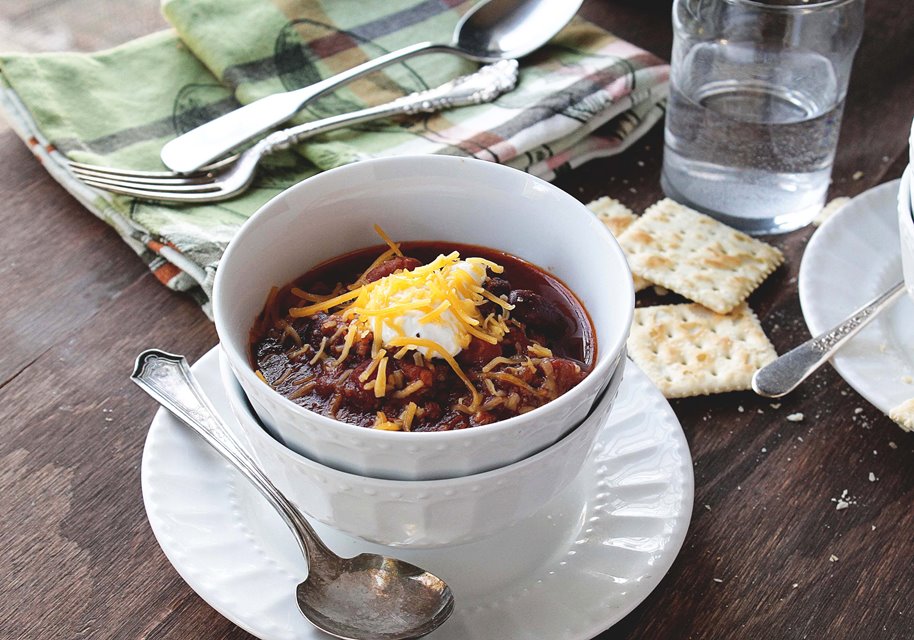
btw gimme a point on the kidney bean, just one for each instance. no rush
(536, 312)
(389, 266)
(497, 287)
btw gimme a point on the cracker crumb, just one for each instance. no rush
(903, 415)
(872, 477)
(858, 410)
(857, 175)
(708, 507)
(775, 405)
(892, 445)
(764, 450)
(800, 438)
(907, 379)
(832, 558)
(740, 408)
(718, 580)
(872, 527)
(829, 210)
(844, 501)
(795, 585)
(795, 417)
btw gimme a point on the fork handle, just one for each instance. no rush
(485, 85)
(190, 151)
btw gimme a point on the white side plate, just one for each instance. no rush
(851, 259)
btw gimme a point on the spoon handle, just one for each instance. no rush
(484, 85)
(168, 379)
(787, 372)
(192, 150)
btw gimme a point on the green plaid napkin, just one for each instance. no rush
(586, 94)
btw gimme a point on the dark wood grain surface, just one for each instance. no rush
(79, 559)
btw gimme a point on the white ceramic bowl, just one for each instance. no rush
(439, 198)
(906, 230)
(419, 513)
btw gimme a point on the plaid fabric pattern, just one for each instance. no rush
(584, 95)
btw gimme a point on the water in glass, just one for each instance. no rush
(753, 132)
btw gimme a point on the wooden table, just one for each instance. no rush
(79, 559)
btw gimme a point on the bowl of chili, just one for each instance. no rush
(421, 318)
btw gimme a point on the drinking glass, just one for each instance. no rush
(757, 90)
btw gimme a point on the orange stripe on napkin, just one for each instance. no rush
(166, 273)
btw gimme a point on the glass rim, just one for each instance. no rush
(800, 6)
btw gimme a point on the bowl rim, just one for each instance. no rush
(603, 368)
(239, 401)
(904, 205)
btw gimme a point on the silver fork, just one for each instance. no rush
(228, 177)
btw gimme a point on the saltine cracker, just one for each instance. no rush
(617, 218)
(688, 350)
(696, 256)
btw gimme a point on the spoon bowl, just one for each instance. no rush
(504, 29)
(368, 597)
(396, 599)
(491, 31)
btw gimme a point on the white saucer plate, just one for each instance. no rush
(589, 557)
(851, 259)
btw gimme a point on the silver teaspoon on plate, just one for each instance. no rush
(787, 372)
(489, 32)
(368, 597)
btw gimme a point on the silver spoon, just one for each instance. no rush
(787, 372)
(368, 597)
(489, 32)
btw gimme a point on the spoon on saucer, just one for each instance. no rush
(490, 31)
(368, 597)
(785, 374)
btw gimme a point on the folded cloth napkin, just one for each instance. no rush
(586, 94)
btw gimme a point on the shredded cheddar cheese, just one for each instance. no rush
(347, 344)
(437, 348)
(409, 389)
(432, 310)
(390, 243)
(310, 297)
(372, 366)
(320, 351)
(407, 416)
(380, 381)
